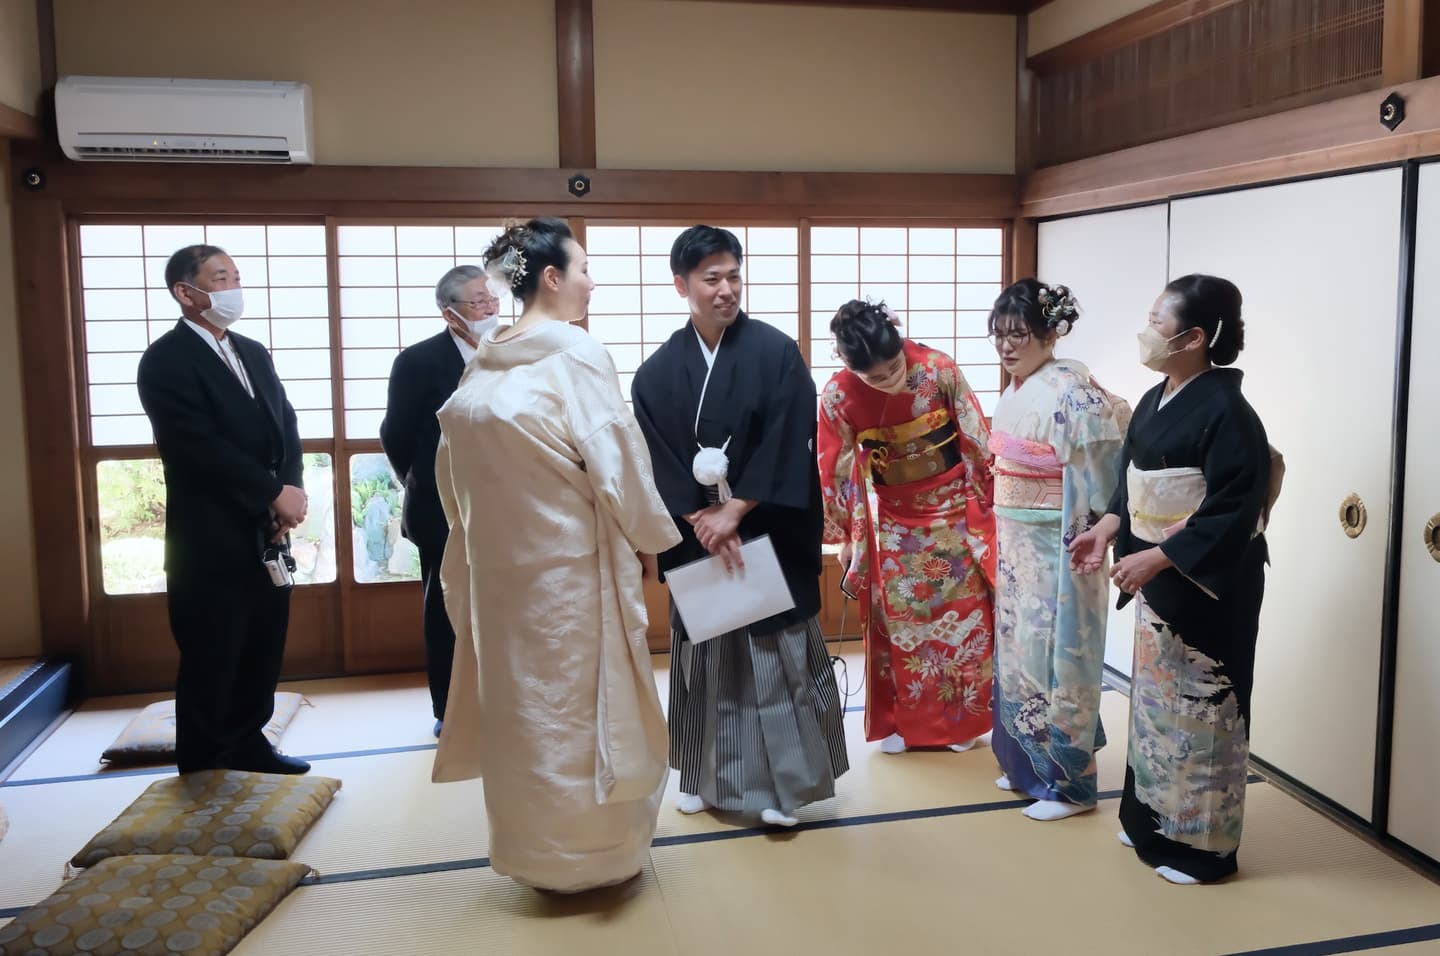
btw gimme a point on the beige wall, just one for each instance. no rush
(425, 83)
(19, 608)
(19, 56)
(704, 85)
(1063, 20)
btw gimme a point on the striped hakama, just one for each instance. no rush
(756, 721)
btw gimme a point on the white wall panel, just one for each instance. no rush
(1115, 263)
(1415, 772)
(1318, 265)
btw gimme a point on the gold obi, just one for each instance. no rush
(915, 451)
(1027, 486)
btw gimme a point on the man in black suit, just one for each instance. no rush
(421, 380)
(231, 451)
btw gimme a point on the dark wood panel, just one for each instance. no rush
(1233, 61)
(417, 191)
(1404, 41)
(1326, 138)
(575, 81)
(951, 6)
(313, 646)
(51, 419)
(1143, 24)
(385, 629)
(657, 610)
(133, 650)
(17, 125)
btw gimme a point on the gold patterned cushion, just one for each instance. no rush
(154, 905)
(150, 737)
(216, 813)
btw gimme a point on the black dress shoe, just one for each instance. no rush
(273, 763)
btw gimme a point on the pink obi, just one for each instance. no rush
(1027, 474)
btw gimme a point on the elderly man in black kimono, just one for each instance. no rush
(755, 716)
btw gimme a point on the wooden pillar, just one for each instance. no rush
(51, 424)
(575, 73)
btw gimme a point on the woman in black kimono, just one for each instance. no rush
(1187, 521)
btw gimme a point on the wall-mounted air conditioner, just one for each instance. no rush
(145, 119)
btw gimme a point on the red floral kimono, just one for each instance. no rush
(906, 478)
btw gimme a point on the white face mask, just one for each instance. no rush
(226, 307)
(1155, 348)
(476, 327)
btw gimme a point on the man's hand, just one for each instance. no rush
(729, 551)
(290, 506)
(718, 522)
(649, 567)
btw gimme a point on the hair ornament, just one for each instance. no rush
(1058, 305)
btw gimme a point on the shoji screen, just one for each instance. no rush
(1318, 264)
(1115, 262)
(1415, 773)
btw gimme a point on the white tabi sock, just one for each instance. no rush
(963, 746)
(1047, 810)
(1004, 784)
(894, 744)
(689, 803)
(775, 818)
(1125, 839)
(1175, 876)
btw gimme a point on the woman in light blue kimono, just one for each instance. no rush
(1057, 438)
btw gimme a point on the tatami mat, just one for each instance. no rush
(917, 851)
(462, 914)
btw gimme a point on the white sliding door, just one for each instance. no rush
(1115, 262)
(1415, 771)
(1318, 265)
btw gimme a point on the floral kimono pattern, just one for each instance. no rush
(1057, 440)
(906, 480)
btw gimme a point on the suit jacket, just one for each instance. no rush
(226, 455)
(421, 380)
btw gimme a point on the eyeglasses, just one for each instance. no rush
(474, 303)
(1016, 338)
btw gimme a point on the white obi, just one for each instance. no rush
(1162, 498)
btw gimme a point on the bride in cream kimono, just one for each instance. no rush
(1057, 438)
(546, 482)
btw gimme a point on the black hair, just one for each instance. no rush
(1212, 305)
(184, 265)
(520, 254)
(1041, 307)
(698, 243)
(864, 335)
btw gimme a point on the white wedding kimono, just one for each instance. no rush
(546, 482)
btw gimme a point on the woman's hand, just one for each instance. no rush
(847, 555)
(1134, 571)
(649, 567)
(1087, 551)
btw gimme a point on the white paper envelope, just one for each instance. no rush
(713, 601)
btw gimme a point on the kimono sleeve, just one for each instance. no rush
(779, 471)
(668, 437)
(835, 446)
(617, 460)
(1089, 438)
(973, 434)
(1237, 481)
